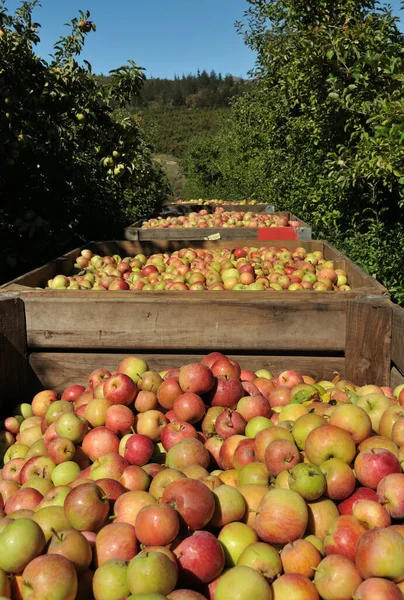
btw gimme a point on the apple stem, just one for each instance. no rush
(53, 530)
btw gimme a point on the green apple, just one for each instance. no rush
(264, 373)
(55, 497)
(110, 580)
(235, 537)
(263, 558)
(51, 519)
(229, 506)
(65, 473)
(24, 410)
(39, 483)
(152, 572)
(242, 582)
(257, 424)
(17, 450)
(304, 425)
(20, 542)
(307, 480)
(72, 427)
(133, 367)
(254, 472)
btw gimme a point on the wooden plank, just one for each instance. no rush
(184, 321)
(396, 378)
(16, 381)
(59, 370)
(397, 341)
(368, 349)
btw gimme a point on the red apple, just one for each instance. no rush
(196, 378)
(174, 432)
(362, 493)
(371, 466)
(86, 508)
(138, 449)
(100, 441)
(120, 389)
(390, 493)
(228, 423)
(336, 578)
(117, 540)
(282, 517)
(200, 557)
(226, 392)
(343, 536)
(374, 553)
(192, 499)
(48, 573)
(157, 525)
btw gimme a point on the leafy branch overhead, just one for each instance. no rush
(87, 169)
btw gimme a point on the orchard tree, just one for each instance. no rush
(321, 132)
(71, 167)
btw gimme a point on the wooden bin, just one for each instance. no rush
(135, 232)
(317, 332)
(363, 342)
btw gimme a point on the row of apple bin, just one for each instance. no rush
(196, 445)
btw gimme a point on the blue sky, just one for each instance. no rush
(167, 37)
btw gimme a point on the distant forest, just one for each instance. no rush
(176, 111)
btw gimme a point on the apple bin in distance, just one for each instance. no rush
(135, 232)
(74, 331)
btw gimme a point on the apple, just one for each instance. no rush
(282, 517)
(226, 392)
(21, 541)
(281, 455)
(72, 545)
(307, 480)
(374, 553)
(254, 472)
(294, 585)
(60, 450)
(353, 419)
(343, 536)
(49, 576)
(378, 441)
(192, 499)
(100, 441)
(157, 525)
(146, 401)
(262, 558)
(128, 505)
(300, 556)
(196, 378)
(65, 473)
(55, 497)
(362, 493)
(119, 419)
(339, 477)
(72, 392)
(227, 450)
(267, 436)
(71, 427)
(111, 465)
(371, 466)
(95, 411)
(151, 572)
(174, 432)
(168, 391)
(57, 408)
(133, 367)
(228, 423)
(189, 407)
(200, 558)
(321, 515)
(376, 588)
(371, 513)
(374, 404)
(42, 401)
(329, 441)
(85, 507)
(116, 540)
(390, 493)
(336, 578)
(135, 478)
(24, 498)
(242, 582)
(187, 452)
(110, 580)
(229, 506)
(253, 406)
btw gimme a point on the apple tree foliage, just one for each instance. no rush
(321, 132)
(72, 166)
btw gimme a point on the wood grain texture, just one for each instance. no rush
(397, 341)
(59, 370)
(16, 378)
(368, 349)
(396, 378)
(184, 321)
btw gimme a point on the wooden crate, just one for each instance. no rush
(303, 232)
(364, 343)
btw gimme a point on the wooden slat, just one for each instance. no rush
(238, 321)
(59, 370)
(368, 350)
(397, 341)
(396, 378)
(16, 381)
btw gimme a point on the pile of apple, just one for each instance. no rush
(204, 201)
(244, 268)
(204, 482)
(218, 219)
